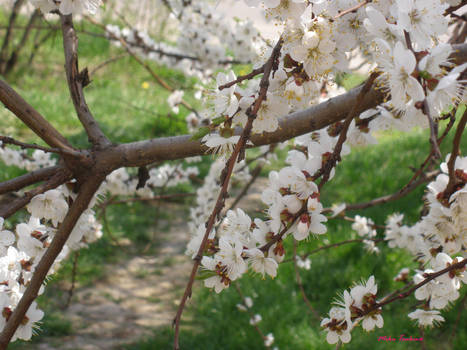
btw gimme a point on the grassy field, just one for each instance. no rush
(128, 111)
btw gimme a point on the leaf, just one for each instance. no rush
(201, 133)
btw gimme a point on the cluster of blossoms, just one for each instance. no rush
(22, 249)
(23, 160)
(358, 305)
(421, 83)
(206, 197)
(121, 183)
(206, 42)
(401, 38)
(67, 7)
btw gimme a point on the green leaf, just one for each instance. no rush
(201, 133)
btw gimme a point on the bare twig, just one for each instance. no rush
(428, 277)
(241, 78)
(11, 141)
(74, 272)
(433, 130)
(106, 62)
(352, 9)
(336, 155)
(300, 284)
(155, 76)
(77, 81)
(255, 326)
(254, 175)
(395, 196)
(329, 246)
(461, 308)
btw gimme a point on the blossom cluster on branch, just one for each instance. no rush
(410, 64)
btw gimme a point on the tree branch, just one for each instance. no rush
(453, 181)
(295, 124)
(12, 141)
(300, 284)
(395, 196)
(60, 177)
(28, 179)
(77, 81)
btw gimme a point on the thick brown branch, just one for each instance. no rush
(79, 205)
(77, 81)
(29, 116)
(295, 124)
(28, 179)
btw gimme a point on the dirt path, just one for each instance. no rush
(136, 296)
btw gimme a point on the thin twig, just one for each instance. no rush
(428, 277)
(395, 196)
(106, 62)
(453, 181)
(156, 77)
(329, 246)
(22, 43)
(29, 116)
(300, 284)
(461, 308)
(254, 176)
(11, 141)
(255, 326)
(7, 38)
(59, 178)
(241, 78)
(352, 9)
(225, 179)
(336, 155)
(73, 279)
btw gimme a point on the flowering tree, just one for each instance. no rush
(417, 63)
